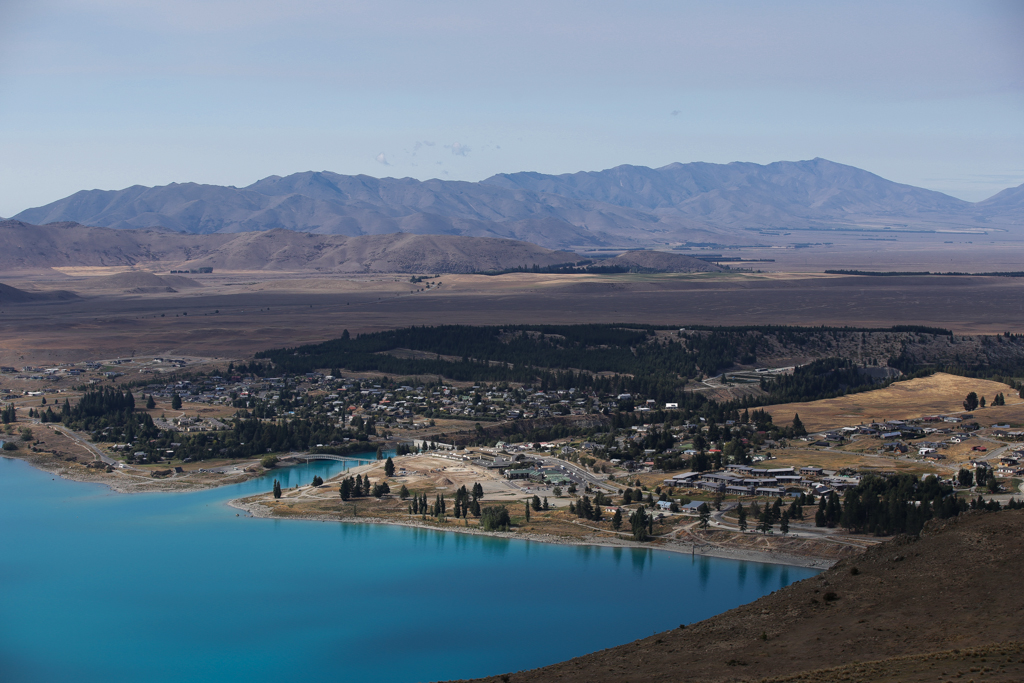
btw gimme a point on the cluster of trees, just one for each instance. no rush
(584, 508)
(888, 505)
(823, 378)
(584, 266)
(358, 487)
(277, 489)
(9, 414)
(631, 496)
(768, 517)
(641, 524)
(981, 476)
(972, 402)
(108, 413)
(250, 437)
(554, 356)
(467, 502)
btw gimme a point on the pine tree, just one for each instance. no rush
(389, 467)
(535, 503)
(545, 505)
(705, 515)
(798, 426)
(150, 402)
(176, 402)
(784, 523)
(639, 524)
(526, 504)
(741, 521)
(971, 402)
(617, 519)
(833, 511)
(277, 489)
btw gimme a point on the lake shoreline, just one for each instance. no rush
(261, 511)
(133, 484)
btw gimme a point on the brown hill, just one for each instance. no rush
(662, 262)
(140, 282)
(942, 607)
(393, 253)
(13, 295)
(33, 247)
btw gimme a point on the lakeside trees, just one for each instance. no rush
(495, 518)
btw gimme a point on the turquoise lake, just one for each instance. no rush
(107, 587)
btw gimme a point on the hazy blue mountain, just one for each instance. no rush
(728, 193)
(622, 206)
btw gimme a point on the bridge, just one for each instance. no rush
(325, 456)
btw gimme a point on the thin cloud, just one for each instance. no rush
(381, 159)
(420, 144)
(458, 149)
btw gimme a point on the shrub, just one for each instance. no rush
(495, 518)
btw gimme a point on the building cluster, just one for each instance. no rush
(744, 480)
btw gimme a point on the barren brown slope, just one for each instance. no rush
(956, 587)
(56, 245)
(393, 253)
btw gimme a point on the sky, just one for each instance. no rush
(105, 94)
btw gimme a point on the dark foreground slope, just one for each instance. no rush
(13, 295)
(947, 606)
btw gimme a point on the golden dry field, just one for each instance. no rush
(939, 394)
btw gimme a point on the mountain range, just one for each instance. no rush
(625, 206)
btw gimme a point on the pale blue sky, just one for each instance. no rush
(111, 93)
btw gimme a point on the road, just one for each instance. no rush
(93, 450)
(577, 474)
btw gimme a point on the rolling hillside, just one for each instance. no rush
(32, 247)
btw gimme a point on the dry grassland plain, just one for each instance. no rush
(236, 314)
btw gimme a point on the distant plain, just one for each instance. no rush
(234, 314)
